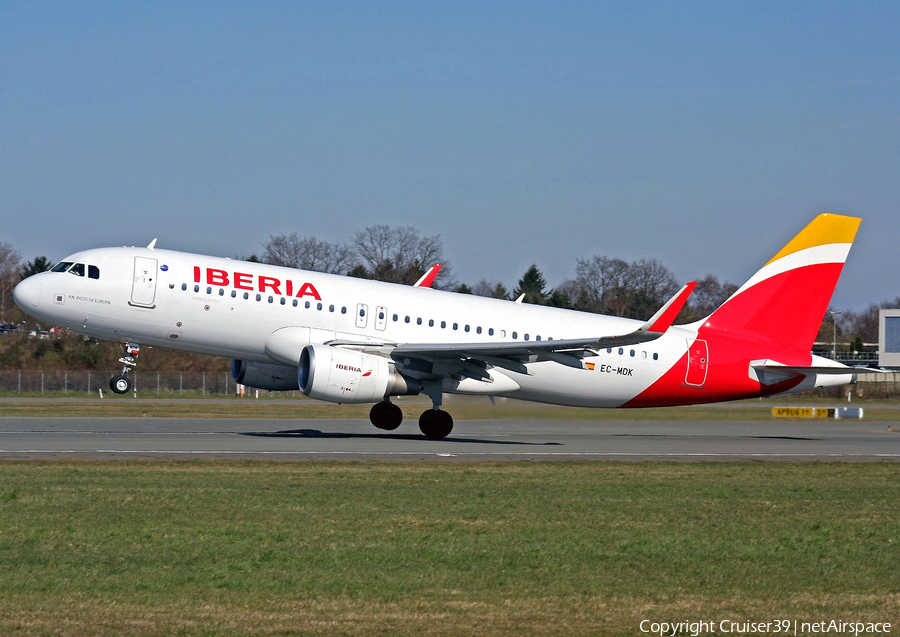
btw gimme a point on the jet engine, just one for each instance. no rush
(346, 376)
(264, 375)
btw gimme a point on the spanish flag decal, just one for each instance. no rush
(589, 366)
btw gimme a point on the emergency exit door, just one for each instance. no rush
(697, 363)
(143, 290)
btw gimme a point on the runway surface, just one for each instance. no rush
(471, 440)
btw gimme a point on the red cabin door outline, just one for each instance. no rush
(697, 363)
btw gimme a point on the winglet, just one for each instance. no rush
(428, 278)
(663, 319)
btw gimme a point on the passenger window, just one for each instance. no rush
(632, 353)
(443, 325)
(184, 287)
(655, 356)
(515, 335)
(271, 299)
(491, 331)
(221, 291)
(331, 308)
(246, 295)
(209, 290)
(94, 272)
(643, 354)
(196, 288)
(478, 330)
(362, 312)
(456, 326)
(430, 322)
(621, 351)
(537, 338)
(234, 294)
(467, 328)
(419, 321)
(319, 306)
(283, 301)
(306, 305)
(295, 303)
(259, 297)
(526, 337)
(343, 310)
(396, 318)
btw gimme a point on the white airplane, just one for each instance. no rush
(348, 340)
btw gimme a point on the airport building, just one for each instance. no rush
(889, 338)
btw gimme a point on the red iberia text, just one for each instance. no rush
(256, 282)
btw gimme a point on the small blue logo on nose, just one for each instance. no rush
(164, 268)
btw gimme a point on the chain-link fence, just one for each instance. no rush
(191, 384)
(167, 384)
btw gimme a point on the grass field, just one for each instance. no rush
(221, 548)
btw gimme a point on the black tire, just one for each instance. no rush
(436, 424)
(120, 384)
(387, 416)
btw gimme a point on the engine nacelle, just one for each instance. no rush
(346, 376)
(264, 375)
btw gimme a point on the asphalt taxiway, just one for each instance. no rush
(472, 440)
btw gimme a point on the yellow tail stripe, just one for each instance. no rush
(823, 230)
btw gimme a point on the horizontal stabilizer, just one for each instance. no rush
(770, 372)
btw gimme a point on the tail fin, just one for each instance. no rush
(786, 300)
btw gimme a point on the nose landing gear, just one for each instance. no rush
(120, 383)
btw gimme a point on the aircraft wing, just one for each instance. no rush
(472, 359)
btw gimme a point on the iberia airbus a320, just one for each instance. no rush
(348, 340)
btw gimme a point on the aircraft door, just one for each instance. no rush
(362, 315)
(143, 289)
(697, 364)
(380, 318)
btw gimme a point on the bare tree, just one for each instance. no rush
(10, 269)
(308, 253)
(399, 255)
(614, 286)
(493, 289)
(862, 324)
(709, 294)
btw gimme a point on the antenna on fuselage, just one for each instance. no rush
(152, 245)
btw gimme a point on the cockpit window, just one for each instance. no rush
(77, 269)
(93, 272)
(62, 266)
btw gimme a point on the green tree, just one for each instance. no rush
(532, 285)
(39, 264)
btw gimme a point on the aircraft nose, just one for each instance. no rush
(27, 293)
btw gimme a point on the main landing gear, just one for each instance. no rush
(434, 423)
(386, 415)
(120, 383)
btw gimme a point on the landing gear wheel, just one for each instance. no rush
(120, 384)
(386, 415)
(435, 424)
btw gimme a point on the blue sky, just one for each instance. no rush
(702, 134)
